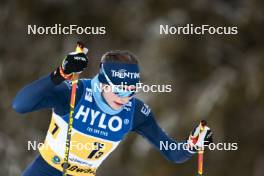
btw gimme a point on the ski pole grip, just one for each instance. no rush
(81, 48)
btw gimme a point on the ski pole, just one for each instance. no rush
(201, 151)
(79, 48)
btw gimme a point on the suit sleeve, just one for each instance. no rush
(43, 94)
(146, 125)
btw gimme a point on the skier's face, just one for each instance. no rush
(114, 101)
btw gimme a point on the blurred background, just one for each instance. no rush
(213, 77)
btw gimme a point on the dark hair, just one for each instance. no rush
(119, 56)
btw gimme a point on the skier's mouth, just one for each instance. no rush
(118, 104)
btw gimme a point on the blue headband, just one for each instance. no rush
(119, 73)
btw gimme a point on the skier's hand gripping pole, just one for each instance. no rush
(73, 64)
(73, 73)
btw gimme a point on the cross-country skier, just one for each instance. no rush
(101, 119)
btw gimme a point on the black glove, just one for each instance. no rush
(74, 63)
